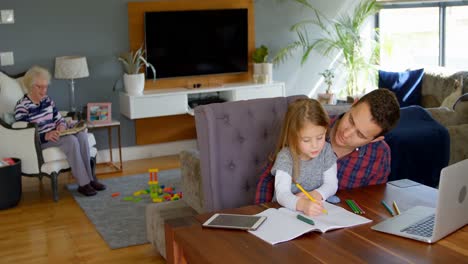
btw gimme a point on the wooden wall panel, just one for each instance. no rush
(136, 13)
(165, 129)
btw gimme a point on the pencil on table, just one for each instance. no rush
(358, 207)
(387, 207)
(355, 210)
(397, 210)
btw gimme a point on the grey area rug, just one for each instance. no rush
(122, 223)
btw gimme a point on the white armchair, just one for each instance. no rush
(21, 140)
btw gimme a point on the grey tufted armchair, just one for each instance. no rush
(234, 141)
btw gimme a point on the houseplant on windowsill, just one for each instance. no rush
(134, 79)
(262, 69)
(338, 37)
(327, 97)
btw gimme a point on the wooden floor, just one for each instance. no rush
(40, 230)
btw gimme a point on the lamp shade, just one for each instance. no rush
(71, 67)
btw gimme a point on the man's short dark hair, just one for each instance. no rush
(384, 108)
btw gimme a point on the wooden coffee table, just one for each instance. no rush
(187, 241)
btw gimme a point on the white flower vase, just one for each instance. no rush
(267, 70)
(134, 83)
(257, 72)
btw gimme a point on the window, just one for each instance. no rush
(457, 37)
(423, 35)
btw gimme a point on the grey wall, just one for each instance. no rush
(98, 29)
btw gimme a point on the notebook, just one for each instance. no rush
(283, 225)
(431, 224)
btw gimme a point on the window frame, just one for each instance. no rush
(442, 20)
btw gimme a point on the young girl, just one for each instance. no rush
(303, 156)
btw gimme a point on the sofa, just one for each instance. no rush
(447, 102)
(235, 139)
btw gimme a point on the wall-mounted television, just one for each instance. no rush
(196, 42)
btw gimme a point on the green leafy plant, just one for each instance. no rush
(328, 76)
(133, 62)
(260, 55)
(340, 35)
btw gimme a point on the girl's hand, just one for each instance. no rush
(317, 196)
(301, 194)
(308, 207)
(53, 136)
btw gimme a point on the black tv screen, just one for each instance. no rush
(198, 42)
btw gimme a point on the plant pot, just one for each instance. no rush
(325, 98)
(267, 70)
(134, 83)
(257, 73)
(263, 72)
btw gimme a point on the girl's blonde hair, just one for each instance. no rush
(299, 112)
(33, 74)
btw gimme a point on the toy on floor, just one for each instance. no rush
(158, 193)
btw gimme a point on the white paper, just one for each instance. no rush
(282, 225)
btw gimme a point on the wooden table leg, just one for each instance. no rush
(175, 253)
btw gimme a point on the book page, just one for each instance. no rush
(337, 217)
(280, 227)
(282, 224)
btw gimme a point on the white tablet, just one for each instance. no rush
(235, 221)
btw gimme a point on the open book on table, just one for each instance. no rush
(282, 224)
(74, 128)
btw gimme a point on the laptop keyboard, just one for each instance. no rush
(423, 228)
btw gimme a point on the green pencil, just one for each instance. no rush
(388, 208)
(355, 210)
(305, 219)
(358, 207)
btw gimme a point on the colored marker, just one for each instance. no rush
(305, 219)
(397, 210)
(388, 208)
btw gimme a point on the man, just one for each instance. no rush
(357, 139)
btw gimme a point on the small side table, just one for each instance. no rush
(114, 167)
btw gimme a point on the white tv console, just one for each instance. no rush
(174, 101)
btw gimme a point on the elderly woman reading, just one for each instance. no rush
(37, 107)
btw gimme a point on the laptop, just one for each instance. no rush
(431, 224)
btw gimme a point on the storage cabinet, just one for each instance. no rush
(169, 102)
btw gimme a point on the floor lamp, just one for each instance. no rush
(71, 68)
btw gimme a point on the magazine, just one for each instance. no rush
(283, 224)
(74, 128)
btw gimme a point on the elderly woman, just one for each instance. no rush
(37, 107)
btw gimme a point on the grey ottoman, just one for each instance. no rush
(156, 214)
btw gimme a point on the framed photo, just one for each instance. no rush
(99, 113)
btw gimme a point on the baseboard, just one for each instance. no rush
(147, 151)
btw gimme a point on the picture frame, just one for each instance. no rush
(99, 113)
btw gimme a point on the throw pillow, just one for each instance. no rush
(450, 100)
(265, 185)
(10, 93)
(406, 85)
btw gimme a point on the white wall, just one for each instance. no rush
(273, 19)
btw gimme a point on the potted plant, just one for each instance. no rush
(134, 79)
(327, 97)
(341, 35)
(262, 69)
